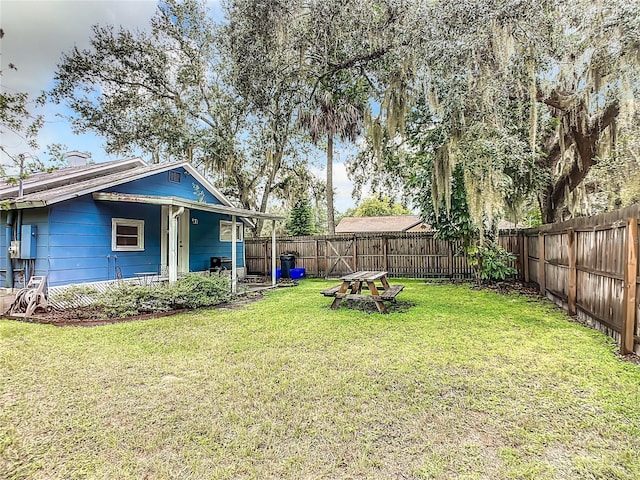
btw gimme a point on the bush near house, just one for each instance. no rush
(128, 299)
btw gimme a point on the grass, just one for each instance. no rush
(465, 384)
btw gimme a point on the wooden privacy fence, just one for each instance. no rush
(412, 255)
(589, 266)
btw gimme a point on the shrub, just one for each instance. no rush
(491, 262)
(81, 300)
(190, 291)
(127, 299)
(194, 291)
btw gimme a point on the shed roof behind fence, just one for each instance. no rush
(390, 223)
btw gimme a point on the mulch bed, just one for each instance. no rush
(65, 318)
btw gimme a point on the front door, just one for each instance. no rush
(182, 242)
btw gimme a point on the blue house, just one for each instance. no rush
(122, 219)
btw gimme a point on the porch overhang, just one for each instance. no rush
(176, 207)
(181, 202)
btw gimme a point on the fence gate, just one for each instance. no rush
(340, 257)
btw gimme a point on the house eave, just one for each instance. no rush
(20, 205)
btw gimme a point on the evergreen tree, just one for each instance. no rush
(301, 218)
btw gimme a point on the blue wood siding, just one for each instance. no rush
(80, 241)
(39, 218)
(3, 243)
(204, 241)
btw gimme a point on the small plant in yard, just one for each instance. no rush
(127, 299)
(490, 262)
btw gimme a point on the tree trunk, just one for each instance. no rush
(331, 223)
(552, 199)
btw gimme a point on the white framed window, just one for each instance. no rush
(127, 235)
(225, 231)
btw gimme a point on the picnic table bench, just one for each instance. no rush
(353, 284)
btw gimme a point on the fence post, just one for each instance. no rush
(541, 269)
(317, 259)
(384, 255)
(525, 255)
(355, 253)
(266, 257)
(630, 275)
(572, 287)
(326, 257)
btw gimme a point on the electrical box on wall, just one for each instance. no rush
(14, 249)
(28, 247)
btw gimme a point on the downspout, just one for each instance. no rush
(274, 276)
(19, 239)
(8, 233)
(234, 256)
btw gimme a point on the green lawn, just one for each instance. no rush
(465, 384)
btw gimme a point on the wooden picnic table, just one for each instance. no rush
(353, 284)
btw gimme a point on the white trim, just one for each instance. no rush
(234, 254)
(127, 222)
(239, 236)
(164, 239)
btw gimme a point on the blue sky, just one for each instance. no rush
(37, 32)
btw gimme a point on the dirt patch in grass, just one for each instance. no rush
(370, 307)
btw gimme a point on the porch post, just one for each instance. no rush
(234, 255)
(273, 254)
(173, 242)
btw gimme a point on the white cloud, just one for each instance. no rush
(342, 186)
(38, 32)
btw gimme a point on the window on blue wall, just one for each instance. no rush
(225, 231)
(127, 235)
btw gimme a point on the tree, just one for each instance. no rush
(524, 97)
(333, 116)
(171, 93)
(377, 207)
(562, 66)
(301, 218)
(315, 58)
(17, 120)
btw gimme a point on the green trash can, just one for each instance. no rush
(287, 262)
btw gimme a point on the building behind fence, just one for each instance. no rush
(589, 265)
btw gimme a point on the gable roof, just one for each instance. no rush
(43, 189)
(390, 223)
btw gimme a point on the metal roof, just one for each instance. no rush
(42, 181)
(42, 189)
